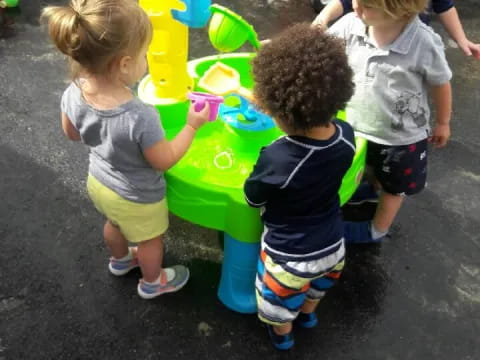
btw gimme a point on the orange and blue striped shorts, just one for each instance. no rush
(283, 286)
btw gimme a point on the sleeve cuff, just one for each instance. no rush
(254, 204)
(442, 6)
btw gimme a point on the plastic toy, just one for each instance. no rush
(196, 14)
(228, 31)
(8, 3)
(168, 51)
(5, 20)
(199, 99)
(206, 186)
(221, 79)
(239, 113)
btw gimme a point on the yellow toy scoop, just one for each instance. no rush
(221, 79)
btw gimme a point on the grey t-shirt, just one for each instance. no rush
(390, 103)
(117, 138)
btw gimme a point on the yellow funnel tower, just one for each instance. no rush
(168, 52)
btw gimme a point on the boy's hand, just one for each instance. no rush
(319, 24)
(197, 118)
(470, 49)
(440, 136)
(265, 41)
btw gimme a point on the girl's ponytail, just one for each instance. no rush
(93, 33)
(62, 23)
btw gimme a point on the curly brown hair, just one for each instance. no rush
(302, 77)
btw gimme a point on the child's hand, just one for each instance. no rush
(197, 119)
(265, 41)
(470, 49)
(319, 24)
(440, 136)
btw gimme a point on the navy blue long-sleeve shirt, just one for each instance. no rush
(438, 6)
(296, 179)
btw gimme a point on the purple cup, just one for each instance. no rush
(198, 99)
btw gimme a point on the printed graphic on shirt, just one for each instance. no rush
(408, 106)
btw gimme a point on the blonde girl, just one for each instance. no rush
(106, 43)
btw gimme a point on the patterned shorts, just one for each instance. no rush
(282, 287)
(401, 170)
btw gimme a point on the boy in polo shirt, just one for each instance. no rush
(396, 60)
(302, 79)
(447, 14)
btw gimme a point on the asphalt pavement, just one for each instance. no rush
(415, 296)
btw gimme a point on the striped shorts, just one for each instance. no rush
(283, 286)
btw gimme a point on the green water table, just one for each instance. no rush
(206, 186)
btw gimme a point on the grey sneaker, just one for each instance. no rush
(180, 278)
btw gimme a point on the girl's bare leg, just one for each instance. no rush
(115, 240)
(150, 258)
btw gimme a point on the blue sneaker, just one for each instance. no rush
(307, 321)
(358, 232)
(364, 193)
(281, 342)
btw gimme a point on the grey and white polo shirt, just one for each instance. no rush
(390, 103)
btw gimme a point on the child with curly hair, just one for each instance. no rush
(106, 43)
(397, 60)
(302, 79)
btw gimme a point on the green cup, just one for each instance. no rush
(228, 31)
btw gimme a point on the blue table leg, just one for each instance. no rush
(237, 284)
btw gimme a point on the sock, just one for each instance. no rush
(129, 256)
(377, 234)
(357, 232)
(170, 275)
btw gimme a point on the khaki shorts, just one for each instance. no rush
(137, 221)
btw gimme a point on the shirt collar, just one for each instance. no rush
(402, 44)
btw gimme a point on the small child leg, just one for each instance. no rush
(283, 329)
(309, 305)
(150, 257)
(123, 258)
(115, 240)
(371, 231)
(157, 280)
(401, 171)
(387, 210)
(315, 293)
(282, 289)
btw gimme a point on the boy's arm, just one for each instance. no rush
(451, 21)
(442, 100)
(69, 129)
(256, 193)
(329, 13)
(259, 186)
